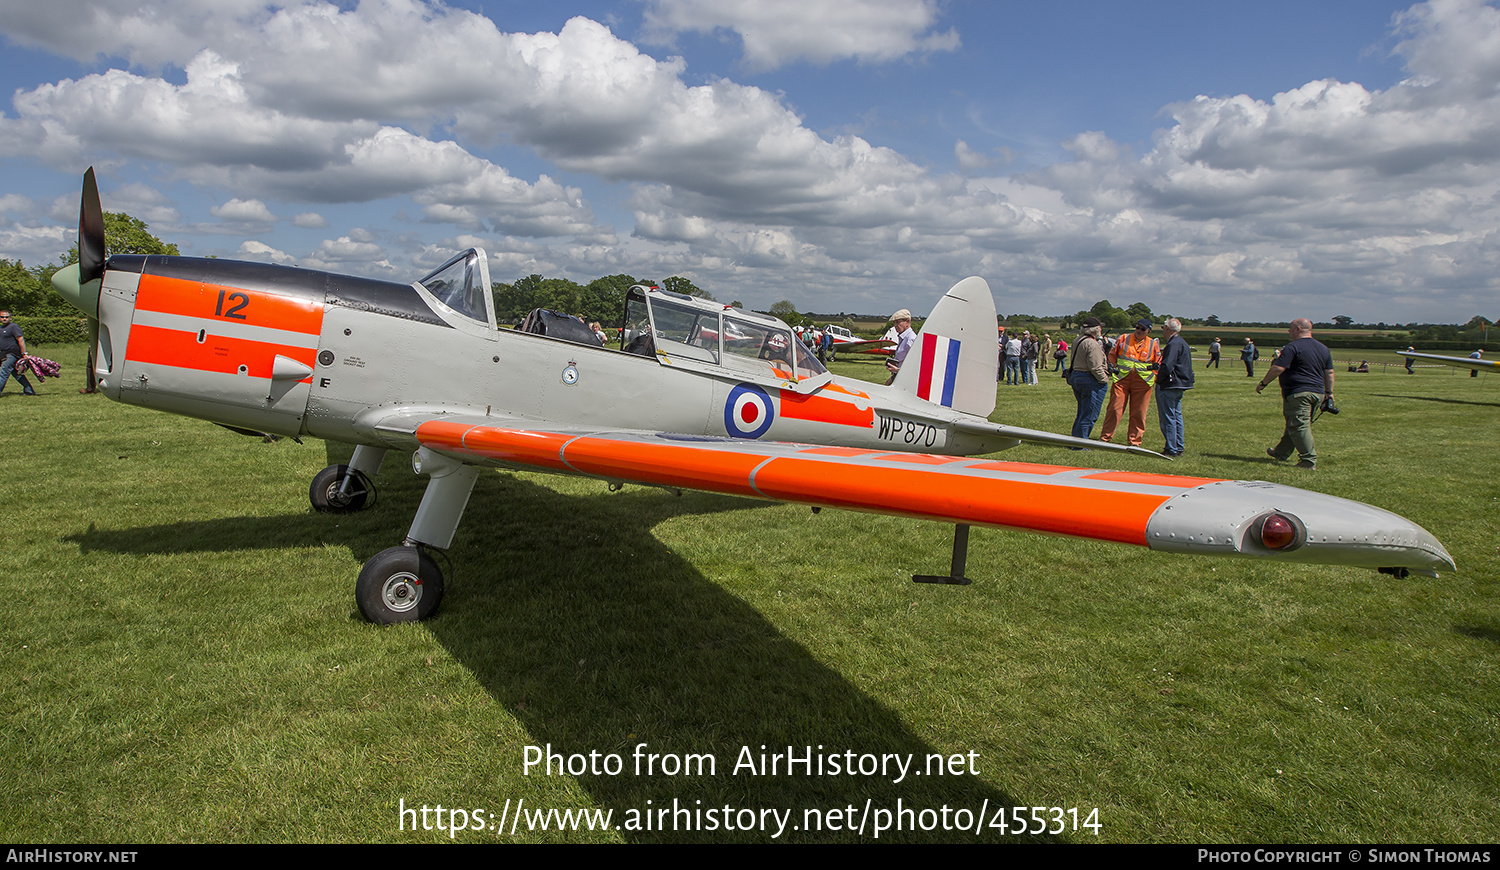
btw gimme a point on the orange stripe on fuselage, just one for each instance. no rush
(836, 388)
(217, 353)
(214, 302)
(822, 409)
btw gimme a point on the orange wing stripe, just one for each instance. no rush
(881, 483)
(229, 304)
(665, 464)
(542, 449)
(217, 353)
(839, 451)
(1152, 479)
(1043, 507)
(921, 458)
(1023, 467)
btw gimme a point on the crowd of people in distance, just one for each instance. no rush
(1024, 356)
(817, 339)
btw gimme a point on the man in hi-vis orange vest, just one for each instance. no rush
(1133, 362)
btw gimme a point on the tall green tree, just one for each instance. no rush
(22, 292)
(679, 284)
(603, 299)
(787, 312)
(124, 234)
(1112, 317)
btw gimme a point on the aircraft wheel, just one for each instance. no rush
(401, 584)
(325, 495)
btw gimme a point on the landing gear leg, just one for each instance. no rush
(404, 584)
(960, 558)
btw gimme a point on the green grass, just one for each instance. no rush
(182, 659)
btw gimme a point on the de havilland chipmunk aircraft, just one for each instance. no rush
(694, 395)
(1461, 362)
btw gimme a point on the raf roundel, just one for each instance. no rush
(748, 413)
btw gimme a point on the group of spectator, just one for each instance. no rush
(1127, 370)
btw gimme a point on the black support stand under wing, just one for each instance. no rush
(960, 558)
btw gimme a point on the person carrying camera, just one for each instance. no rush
(1305, 368)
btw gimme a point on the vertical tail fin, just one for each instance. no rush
(956, 355)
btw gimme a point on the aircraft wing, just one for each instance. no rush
(869, 346)
(1482, 365)
(1163, 512)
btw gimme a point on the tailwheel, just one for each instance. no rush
(339, 489)
(400, 584)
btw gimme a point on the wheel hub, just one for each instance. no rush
(402, 592)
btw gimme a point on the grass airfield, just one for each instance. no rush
(183, 660)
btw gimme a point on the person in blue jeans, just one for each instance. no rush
(1089, 377)
(1174, 376)
(12, 349)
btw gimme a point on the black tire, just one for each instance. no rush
(401, 584)
(324, 492)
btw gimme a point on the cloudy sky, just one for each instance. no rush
(1255, 160)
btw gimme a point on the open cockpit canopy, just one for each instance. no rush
(676, 327)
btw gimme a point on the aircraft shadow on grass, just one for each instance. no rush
(595, 636)
(1262, 459)
(1438, 399)
(1479, 632)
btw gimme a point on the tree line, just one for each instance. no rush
(602, 299)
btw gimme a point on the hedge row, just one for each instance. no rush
(53, 330)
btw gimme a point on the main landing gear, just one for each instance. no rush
(401, 584)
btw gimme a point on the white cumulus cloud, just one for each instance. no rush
(778, 32)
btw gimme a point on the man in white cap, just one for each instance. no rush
(905, 338)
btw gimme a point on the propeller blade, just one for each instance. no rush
(91, 380)
(91, 252)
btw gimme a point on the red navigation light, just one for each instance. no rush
(1278, 532)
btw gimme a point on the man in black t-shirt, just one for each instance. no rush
(12, 350)
(1305, 368)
